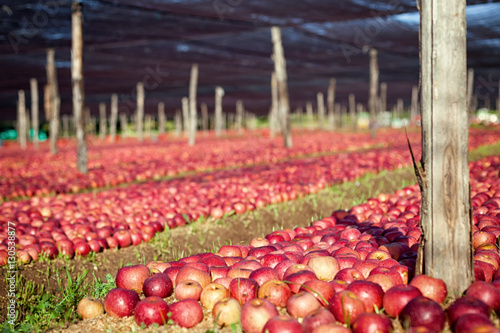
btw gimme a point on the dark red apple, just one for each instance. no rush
(425, 312)
(151, 310)
(465, 305)
(186, 313)
(158, 284)
(346, 307)
(486, 293)
(243, 289)
(120, 302)
(372, 322)
(371, 294)
(396, 298)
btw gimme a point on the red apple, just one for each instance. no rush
(382, 280)
(191, 273)
(159, 285)
(331, 328)
(315, 318)
(349, 275)
(474, 323)
(296, 280)
(255, 314)
(300, 304)
(186, 313)
(275, 291)
(346, 307)
(243, 289)
(372, 322)
(132, 277)
(370, 293)
(465, 305)
(123, 237)
(322, 290)
(151, 310)
(120, 302)
(282, 324)
(430, 287)
(486, 293)
(396, 298)
(188, 289)
(213, 293)
(425, 312)
(263, 275)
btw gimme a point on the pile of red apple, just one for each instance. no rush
(349, 272)
(35, 173)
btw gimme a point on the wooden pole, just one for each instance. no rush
(123, 124)
(352, 111)
(102, 121)
(446, 209)
(185, 115)
(147, 121)
(21, 119)
(273, 113)
(320, 100)
(310, 116)
(338, 115)
(53, 98)
(192, 104)
(343, 114)
(65, 125)
(34, 111)
(372, 99)
(239, 116)
(470, 87)
(331, 104)
(178, 123)
(113, 118)
(281, 77)
(161, 118)
(77, 81)
(140, 110)
(414, 104)
(383, 96)
(204, 117)
(219, 93)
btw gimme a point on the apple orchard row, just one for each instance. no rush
(35, 173)
(350, 272)
(78, 224)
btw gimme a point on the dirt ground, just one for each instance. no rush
(203, 237)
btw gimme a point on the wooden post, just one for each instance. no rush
(178, 123)
(352, 111)
(147, 122)
(224, 122)
(185, 115)
(470, 87)
(77, 81)
(161, 118)
(331, 104)
(113, 118)
(192, 104)
(372, 99)
(239, 116)
(414, 104)
(65, 125)
(219, 93)
(383, 96)
(102, 121)
(281, 77)
(204, 117)
(359, 109)
(400, 108)
(34, 111)
(343, 114)
(310, 116)
(273, 113)
(320, 100)
(338, 115)
(140, 110)
(21, 119)
(446, 209)
(53, 99)
(123, 124)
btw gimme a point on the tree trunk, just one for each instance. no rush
(239, 116)
(400, 108)
(352, 111)
(204, 117)
(273, 114)
(178, 123)
(53, 99)
(192, 104)
(102, 121)
(147, 120)
(113, 118)
(65, 125)
(219, 93)
(77, 81)
(414, 105)
(446, 208)
(21, 119)
(161, 118)
(470, 88)
(331, 103)
(140, 110)
(185, 115)
(281, 77)
(320, 100)
(310, 115)
(383, 96)
(34, 111)
(123, 124)
(372, 100)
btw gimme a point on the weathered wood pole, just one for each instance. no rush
(193, 83)
(140, 110)
(383, 96)
(161, 118)
(338, 114)
(178, 123)
(204, 117)
(102, 121)
(239, 116)
(310, 115)
(470, 88)
(352, 111)
(281, 77)
(331, 104)
(113, 118)
(34, 111)
(414, 104)
(373, 96)
(87, 120)
(274, 111)
(185, 115)
(147, 124)
(65, 125)
(320, 100)
(219, 93)
(123, 124)
(53, 99)
(21, 119)
(446, 209)
(77, 81)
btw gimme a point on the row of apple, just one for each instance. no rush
(39, 173)
(78, 224)
(350, 272)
